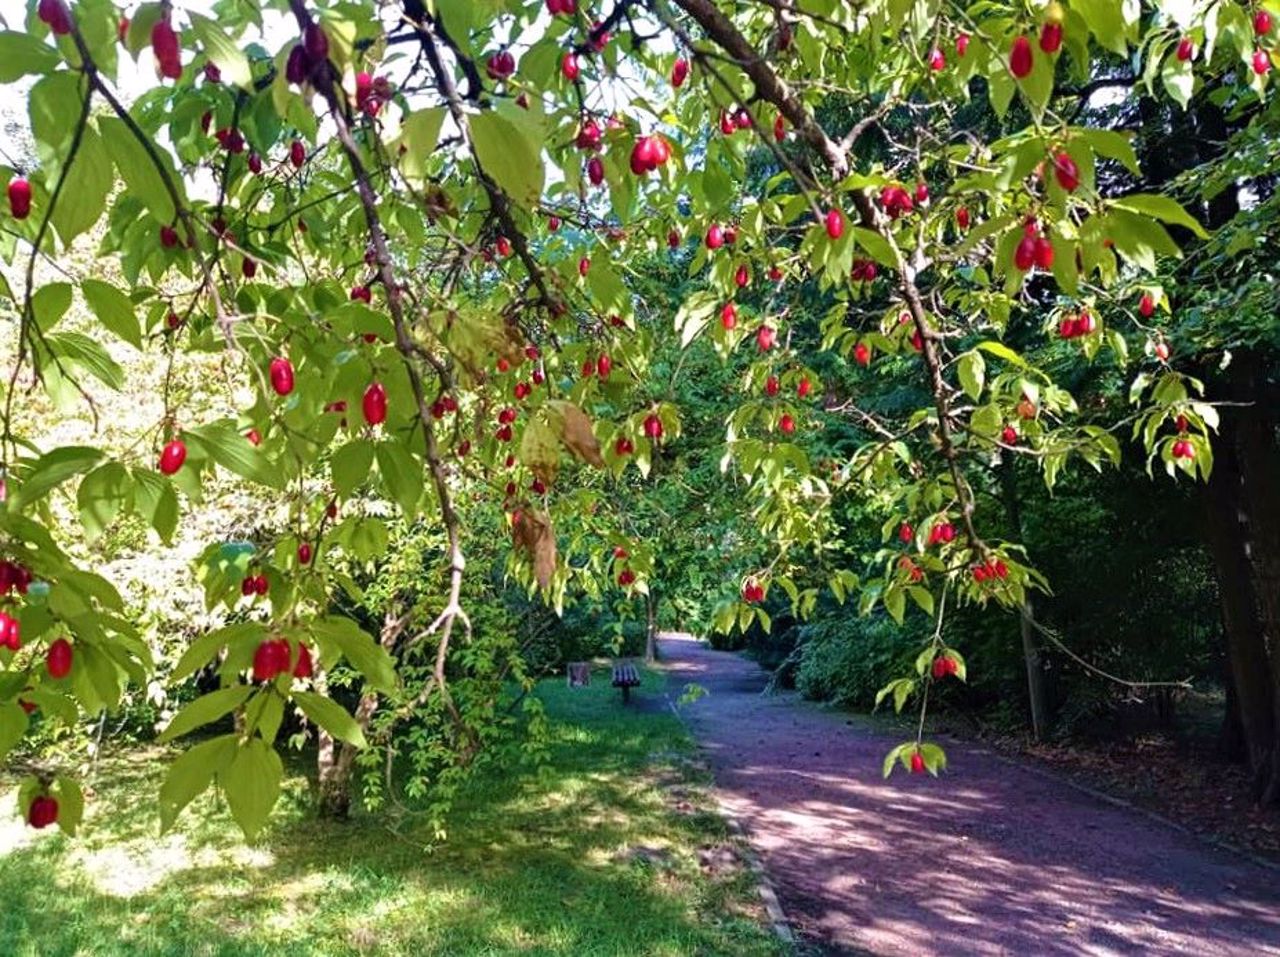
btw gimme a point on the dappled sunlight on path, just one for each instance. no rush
(988, 859)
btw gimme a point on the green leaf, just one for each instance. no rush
(1106, 23)
(140, 171)
(401, 475)
(50, 304)
(206, 708)
(350, 466)
(84, 194)
(21, 54)
(420, 134)
(191, 774)
(252, 785)
(226, 445)
(875, 246)
(52, 470)
(114, 310)
(331, 716)
(1113, 145)
(358, 647)
(13, 726)
(507, 154)
(1162, 208)
(101, 495)
(70, 803)
(87, 354)
(201, 651)
(222, 50)
(972, 370)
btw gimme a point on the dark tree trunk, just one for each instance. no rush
(1036, 697)
(1244, 537)
(1231, 734)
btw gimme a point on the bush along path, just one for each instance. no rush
(988, 858)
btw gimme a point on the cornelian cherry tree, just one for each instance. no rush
(410, 231)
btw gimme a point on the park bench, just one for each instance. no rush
(625, 676)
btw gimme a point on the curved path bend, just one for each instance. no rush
(989, 859)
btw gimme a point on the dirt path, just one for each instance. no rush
(988, 859)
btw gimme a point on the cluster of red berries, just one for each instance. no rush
(253, 585)
(1034, 249)
(1182, 446)
(372, 92)
(308, 57)
(730, 123)
(445, 404)
(10, 632)
(910, 568)
(1074, 327)
(990, 570)
(598, 367)
(649, 153)
(864, 270)
(274, 657)
(718, 236)
(941, 533)
(896, 201)
(14, 577)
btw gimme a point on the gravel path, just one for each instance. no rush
(987, 859)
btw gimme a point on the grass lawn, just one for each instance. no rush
(598, 857)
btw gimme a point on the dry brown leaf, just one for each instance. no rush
(534, 535)
(576, 433)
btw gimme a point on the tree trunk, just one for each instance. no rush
(1259, 460)
(336, 762)
(650, 629)
(1036, 697)
(1035, 673)
(1245, 553)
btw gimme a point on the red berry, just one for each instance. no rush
(962, 217)
(584, 264)
(58, 658)
(765, 338)
(653, 426)
(1051, 37)
(501, 65)
(19, 198)
(729, 316)
(623, 446)
(779, 128)
(715, 237)
(787, 424)
(1020, 60)
(1009, 435)
(862, 354)
(835, 223)
(168, 237)
(304, 553)
(1146, 305)
(569, 67)
(172, 456)
(742, 277)
(270, 658)
(679, 72)
(1024, 256)
(248, 268)
(374, 404)
(304, 667)
(937, 60)
(281, 375)
(1261, 62)
(297, 154)
(771, 385)
(962, 44)
(917, 763)
(1044, 253)
(1066, 172)
(1161, 350)
(1262, 23)
(803, 387)
(56, 15)
(43, 811)
(1186, 49)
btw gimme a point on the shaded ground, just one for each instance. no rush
(989, 859)
(611, 851)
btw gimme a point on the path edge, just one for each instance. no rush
(778, 921)
(1114, 800)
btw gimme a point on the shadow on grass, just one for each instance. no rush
(586, 859)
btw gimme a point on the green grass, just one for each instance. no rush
(591, 858)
